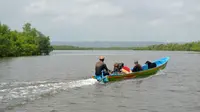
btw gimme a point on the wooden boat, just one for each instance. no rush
(160, 64)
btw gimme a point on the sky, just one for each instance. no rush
(106, 20)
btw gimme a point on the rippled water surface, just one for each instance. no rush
(61, 82)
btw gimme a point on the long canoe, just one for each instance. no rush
(160, 64)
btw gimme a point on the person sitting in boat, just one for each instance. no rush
(150, 64)
(117, 67)
(121, 65)
(101, 66)
(137, 67)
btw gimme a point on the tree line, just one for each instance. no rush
(68, 47)
(30, 41)
(26, 43)
(192, 46)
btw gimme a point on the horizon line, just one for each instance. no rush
(125, 41)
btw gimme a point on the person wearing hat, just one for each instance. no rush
(101, 66)
(137, 67)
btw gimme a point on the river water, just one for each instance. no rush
(61, 82)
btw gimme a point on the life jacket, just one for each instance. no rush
(126, 69)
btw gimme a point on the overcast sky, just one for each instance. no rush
(106, 20)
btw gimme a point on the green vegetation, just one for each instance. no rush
(66, 47)
(32, 42)
(192, 46)
(28, 42)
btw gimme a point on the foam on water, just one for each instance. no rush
(15, 93)
(80, 83)
(159, 73)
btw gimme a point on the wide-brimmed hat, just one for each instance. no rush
(101, 57)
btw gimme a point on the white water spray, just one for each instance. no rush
(22, 92)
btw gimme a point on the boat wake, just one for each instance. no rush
(159, 73)
(139, 80)
(18, 93)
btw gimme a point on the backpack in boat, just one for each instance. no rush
(150, 64)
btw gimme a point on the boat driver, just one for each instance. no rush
(101, 66)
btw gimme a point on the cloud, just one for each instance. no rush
(82, 20)
(76, 11)
(37, 7)
(177, 4)
(156, 22)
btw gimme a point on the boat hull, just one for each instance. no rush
(133, 75)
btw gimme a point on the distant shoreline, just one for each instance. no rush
(191, 46)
